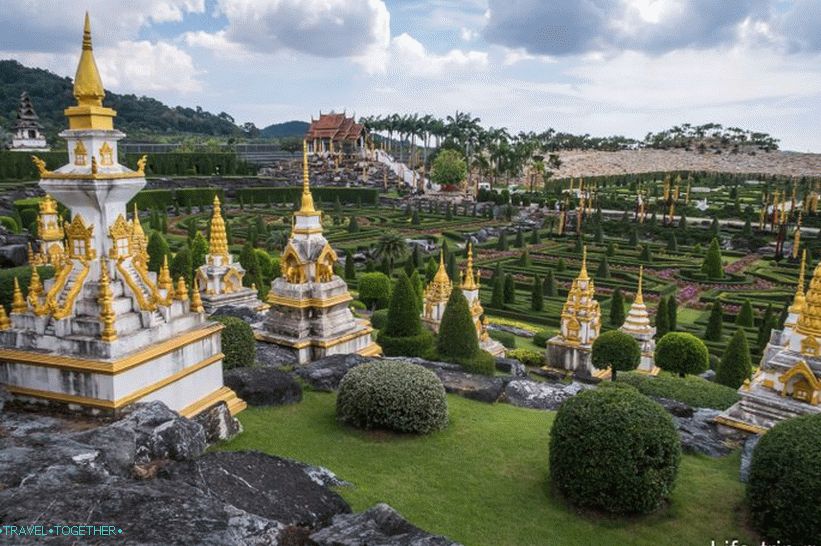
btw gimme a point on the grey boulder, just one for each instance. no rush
(263, 386)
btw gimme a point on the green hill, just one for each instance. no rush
(286, 129)
(51, 94)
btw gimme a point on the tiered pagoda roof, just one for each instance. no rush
(27, 118)
(337, 127)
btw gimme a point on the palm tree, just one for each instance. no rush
(392, 246)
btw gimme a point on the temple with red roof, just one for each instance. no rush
(333, 133)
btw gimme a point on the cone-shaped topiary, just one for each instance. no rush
(497, 299)
(603, 271)
(457, 333)
(765, 327)
(646, 254)
(419, 288)
(616, 350)
(520, 239)
(662, 318)
(350, 266)
(715, 323)
(510, 289)
(403, 334)
(537, 295)
(617, 308)
(682, 353)
(502, 243)
(628, 443)
(550, 287)
(535, 239)
(735, 364)
(712, 266)
(157, 250)
(745, 315)
(524, 259)
(672, 312)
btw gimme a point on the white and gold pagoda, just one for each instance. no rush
(436, 296)
(309, 312)
(49, 234)
(104, 332)
(788, 380)
(637, 324)
(470, 289)
(570, 350)
(219, 280)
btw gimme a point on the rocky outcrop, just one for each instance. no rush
(378, 526)
(544, 395)
(245, 313)
(274, 356)
(263, 386)
(326, 373)
(270, 487)
(699, 434)
(511, 366)
(218, 423)
(747, 457)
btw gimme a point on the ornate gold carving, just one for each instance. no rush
(218, 245)
(35, 289)
(93, 165)
(18, 303)
(61, 312)
(145, 304)
(325, 264)
(468, 280)
(137, 244)
(809, 346)
(41, 166)
(48, 205)
(79, 238)
(141, 163)
(798, 300)
(307, 207)
(106, 155)
(805, 386)
(439, 289)
(80, 154)
(196, 301)
(105, 299)
(120, 235)
(5, 321)
(182, 290)
(293, 269)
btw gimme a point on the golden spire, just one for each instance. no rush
(583, 276)
(639, 299)
(809, 322)
(798, 300)
(164, 281)
(441, 273)
(438, 290)
(18, 303)
(796, 238)
(182, 290)
(469, 281)
(48, 205)
(105, 299)
(196, 300)
(137, 245)
(307, 198)
(35, 287)
(5, 321)
(218, 245)
(88, 87)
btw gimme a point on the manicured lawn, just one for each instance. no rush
(483, 481)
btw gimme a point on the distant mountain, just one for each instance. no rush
(51, 94)
(286, 129)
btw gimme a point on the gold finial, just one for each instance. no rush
(164, 281)
(141, 164)
(48, 205)
(218, 245)
(105, 299)
(583, 276)
(798, 300)
(182, 290)
(469, 282)
(307, 198)
(639, 299)
(35, 287)
(196, 300)
(440, 287)
(18, 303)
(809, 322)
(88, 87)
(5, 322)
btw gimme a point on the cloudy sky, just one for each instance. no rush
(596, 66)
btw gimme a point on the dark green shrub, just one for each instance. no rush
(528, 357)
(10, 224)
(505, 338)
(613, 449)
(616, 350)
(457, 332)
(392, 395)
(416, 345)
(785, 482)
(379, 319)
(375, 289)
(682, 353)
(735, 364)
(358, 305)
(691, 390)
(712, 266)
(238, 343)
(403, 334)
(745, 316)
(23, 274)
(715, 323)
(662, 318)
(541, 337)
(157, 251)
(617, 308)
(482, 363)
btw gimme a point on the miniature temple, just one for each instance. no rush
(49, 235)
(219, 280)
(637, 324)
(787, 382)
(336, 133)
(105, 332)
(436, 298)
(309, 312)
(570, 350)
(28, 132)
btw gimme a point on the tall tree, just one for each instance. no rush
(672, 312)
(550, 288)
(497, 299)
(662, 318)
(715, 323)
(157, 249)
(746, 316)
(712, 265)
(350, 267)
(735, 366)
(537, 295)
(617, 308)
(510, 289)
(457, 332)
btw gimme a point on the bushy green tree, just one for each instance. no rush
(712, 266)
(431, 267)
(735, 364)
(765, 327)
(250, 262)
(611, 249)
(520, 239)
(537, 294)
(497, 299)
(350, 266)
(524, 259)
(715, 323)
(672, 312)
(403, 311)
(157, 249)
(550, 288)
(502, 244)
(646, 254)
(746, 316)
(662, 318)
(419, 288)
(682, 353)
(457, 333)
(181, 265)
(617, 308)
(374, 289)
(353, 224)
(616, 350)
(672, 243)
(535, 239)
(199, 250)
(561, 265)
(603, 270)
(449, 168)
(510, 288)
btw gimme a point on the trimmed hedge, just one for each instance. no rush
(379, 318)
(784, 486)
(482, 363)
(505, 338)
(350, 196)
(418, 345)
(193, 163)
(613, 449)
(528, 357)
(238, 343)
(392, 395)
(691, 390)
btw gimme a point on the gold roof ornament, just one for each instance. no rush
(105, 299)
(439, 289)
(35, 287)
(307, 199)
(119, 229)
(809, 322)
(583, 276)
(5, 321)
(48, 205)
(164, 281)
(182, 290)
(798, 300)
(18, 303)
(469, 281)
(196, 300)
(218, 243)
(89, 113)
(639, 299)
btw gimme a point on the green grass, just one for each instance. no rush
(691, 390)
(483, 480)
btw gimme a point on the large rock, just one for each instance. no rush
(674, 407)
(474, 386)
(263, 386)
(274, 356)
(245, 313)
(218, 423)
(747, 457)
(699, 434)
(148, 512)
(526, 393)
(162, 433)
(260, 484)
(326, 373)
(511, 366)
(13, 255)
(378, 526)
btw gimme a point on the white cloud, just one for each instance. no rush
(468, 34)
(409, 57)
(520, 54)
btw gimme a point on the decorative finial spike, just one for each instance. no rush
(639, 295)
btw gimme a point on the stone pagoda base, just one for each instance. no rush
(245, 297)
(573, 359)
(493, 347)
(760, 409)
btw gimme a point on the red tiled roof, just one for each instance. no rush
(334, 126)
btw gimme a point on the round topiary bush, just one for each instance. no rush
(238, 343)
(392, 395)
(614, 449)
(379, 319)
(785, 475)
